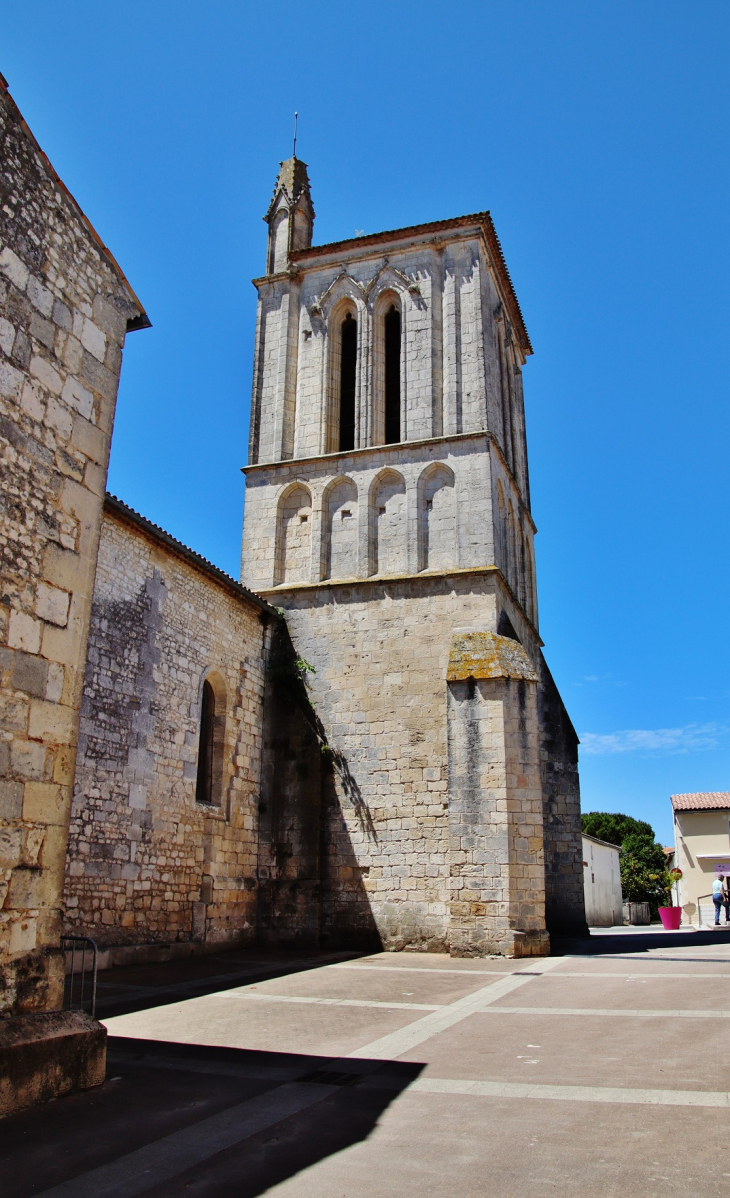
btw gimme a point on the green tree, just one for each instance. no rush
(644, 877)
(613, 827)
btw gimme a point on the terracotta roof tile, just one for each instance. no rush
(702, 800)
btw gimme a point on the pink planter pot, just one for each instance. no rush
(671, 917)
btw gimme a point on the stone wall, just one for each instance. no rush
(564, 890)
(380, 651)
(64, 310)
(441, 793)
(405, 809)
(495, 799)
(462, 342)
(442, 510)
(146, 861)
(312, 890)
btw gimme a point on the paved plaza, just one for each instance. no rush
(602, 1071)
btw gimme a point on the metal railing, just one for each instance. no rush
(80, 985)
(711, 919)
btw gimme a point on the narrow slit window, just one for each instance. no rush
(392, 376)
(204, 785)
(348, 371)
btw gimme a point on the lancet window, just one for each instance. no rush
(392, 355)
(348, 376)
(204, 784)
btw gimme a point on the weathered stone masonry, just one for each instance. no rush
(394, 766)
(146, 861)
(450, 814)
(65, 308)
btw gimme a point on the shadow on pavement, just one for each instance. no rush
(155, 1089)
(139, 987)
(636, 940)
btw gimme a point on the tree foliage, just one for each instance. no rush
(610, 826)
(644, 877)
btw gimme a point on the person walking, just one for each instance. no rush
(719, 897)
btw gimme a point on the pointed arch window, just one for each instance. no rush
(348, 376)
(392, 344)
(204, 784)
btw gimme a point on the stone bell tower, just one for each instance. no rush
(388, 514)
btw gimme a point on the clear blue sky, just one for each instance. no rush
(597, 135)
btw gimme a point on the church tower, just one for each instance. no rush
(388, 514)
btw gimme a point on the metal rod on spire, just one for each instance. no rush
(294, 150)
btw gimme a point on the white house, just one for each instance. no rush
(602, 883)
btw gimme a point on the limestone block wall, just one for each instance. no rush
(65, 308)
(391, 510)
(437, 500)
(495, 799)
(564, 890)
(448, 811)
(460, 356)
(294, 795)
(380, 651)
(146, 862)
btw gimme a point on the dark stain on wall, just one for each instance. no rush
(310, 885)
(564, 900)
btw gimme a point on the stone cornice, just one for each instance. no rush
(435, 234)
(376, 580)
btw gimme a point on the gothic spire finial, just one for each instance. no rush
(290, 215)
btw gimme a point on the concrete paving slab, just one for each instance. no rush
(269, 1027)
(590, 1051)
(427, 986)
(431, 1147)
(667, 993)
(138, 1105)
(690, 952)
(491, 1101)
(646, 962)
(441, 961)
(646, 968)
(142, 986)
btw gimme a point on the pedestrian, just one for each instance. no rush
(726, 899)
(719, 897)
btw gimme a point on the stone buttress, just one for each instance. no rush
(422, 788)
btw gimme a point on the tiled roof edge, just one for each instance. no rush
(701, 800)
(118, 508)
(481, 218)
(607, 844)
